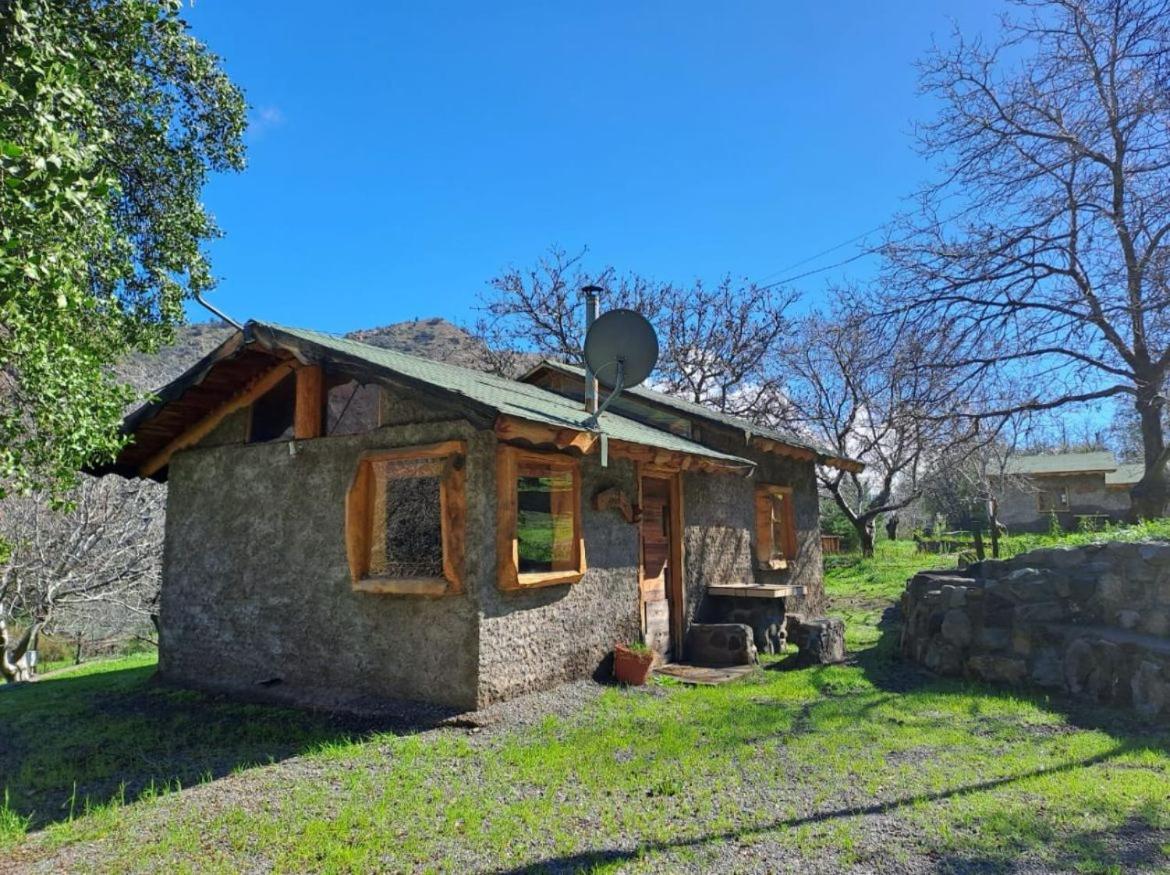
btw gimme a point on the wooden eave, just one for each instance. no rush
(252, 361)
(230, 377)
(525, 433)
(752, 438)
(779, 448)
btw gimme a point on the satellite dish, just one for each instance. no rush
(621, 348)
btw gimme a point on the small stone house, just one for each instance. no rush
(1071, 486)
(346, 522)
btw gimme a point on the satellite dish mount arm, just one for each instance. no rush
(592, 422)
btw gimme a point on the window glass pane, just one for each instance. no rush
(544, 519)
(407, 533)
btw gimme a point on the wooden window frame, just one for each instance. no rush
(766, 558)
(359, 517)
(509, 577)
(1059, 491)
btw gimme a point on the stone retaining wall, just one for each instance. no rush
(1093, 621)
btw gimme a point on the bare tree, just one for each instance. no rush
(101, 555)
(858, 385)
(1053, 275)
(719, 343)
(973, 483)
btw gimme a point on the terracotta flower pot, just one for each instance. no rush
(631, 666)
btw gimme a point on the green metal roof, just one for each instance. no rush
(1062, 463)
(698, 411)
(509, 397)
(1127, 474)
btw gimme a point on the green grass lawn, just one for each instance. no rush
(872, 764)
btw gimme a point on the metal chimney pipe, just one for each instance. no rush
(591, 295)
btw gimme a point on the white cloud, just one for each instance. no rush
(264, 119)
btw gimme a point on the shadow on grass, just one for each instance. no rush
(1145, 847)
(885, 668)
(69, 743)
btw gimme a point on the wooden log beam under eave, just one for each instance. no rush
(511, 428)
(310, 403)
(207, 424)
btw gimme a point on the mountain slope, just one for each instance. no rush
(433, 338)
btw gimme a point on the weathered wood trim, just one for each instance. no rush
(360, 514)
(678, 618)
(511, 428)
(310, 403)
(781, 449)
(764, 547)
(614, 498)
(507, 561)
(424, 586)
(802, 454)
(755, 590)
(508, 576)
(207, 424)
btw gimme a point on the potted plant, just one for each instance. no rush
(632, 663)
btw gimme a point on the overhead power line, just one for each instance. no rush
(824, 252)
(800, 276)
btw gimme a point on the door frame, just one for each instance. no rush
(676, 596)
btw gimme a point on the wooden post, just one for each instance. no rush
(310, 402)
(993, 521)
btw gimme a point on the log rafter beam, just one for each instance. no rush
(195, 433)
(513, 430)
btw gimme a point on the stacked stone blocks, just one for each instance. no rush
(1093, 621)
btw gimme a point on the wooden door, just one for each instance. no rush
(655, 582)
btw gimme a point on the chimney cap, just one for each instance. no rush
(591, 290)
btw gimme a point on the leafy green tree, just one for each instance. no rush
(112, 116)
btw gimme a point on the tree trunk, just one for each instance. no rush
(865, 529)
(993, 526)
(892, 526)
(1149, 495)
(10, 668)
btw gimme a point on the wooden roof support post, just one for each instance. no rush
(307, 419)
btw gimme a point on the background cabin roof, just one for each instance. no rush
(1127, 474)
(1062, 463)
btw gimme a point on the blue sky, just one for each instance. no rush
(402, 154)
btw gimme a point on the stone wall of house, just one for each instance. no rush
(1087, 494)
(257, 594)
(718, 522)
(719, 511)
(807, 571)
(1093, 621)
(541, 637)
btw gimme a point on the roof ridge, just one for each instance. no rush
(519, 399)
(685, 404)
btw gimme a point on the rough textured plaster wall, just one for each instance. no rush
(718, 518)
(401, 407)
(724, 505)
(1087, 494)
(256, 584)
(538, 638)
(233, 430)
(807, 570)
